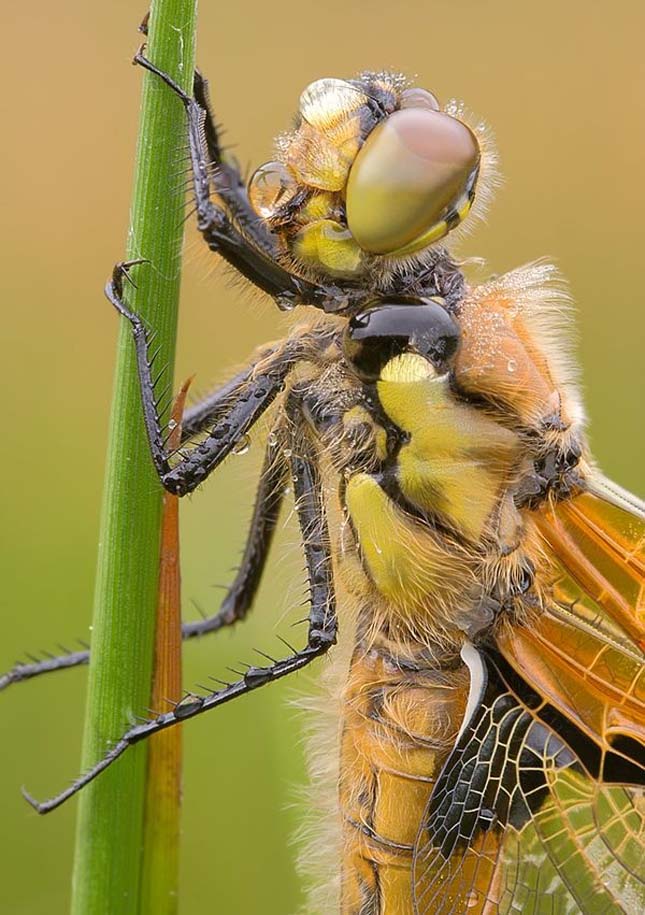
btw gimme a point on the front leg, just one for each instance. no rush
(225, 174)
(244, 241)
(322, 620)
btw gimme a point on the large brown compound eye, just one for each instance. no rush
(412, 180)
(398, 325)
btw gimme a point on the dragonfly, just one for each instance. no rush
(475, 580)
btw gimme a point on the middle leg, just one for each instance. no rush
(270, 493)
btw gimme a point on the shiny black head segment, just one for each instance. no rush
(396, 325)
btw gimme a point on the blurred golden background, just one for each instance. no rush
(562, 84)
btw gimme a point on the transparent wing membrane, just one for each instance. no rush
(518, 823)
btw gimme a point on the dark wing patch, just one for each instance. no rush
(517, 823)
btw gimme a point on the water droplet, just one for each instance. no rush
(285, 302)
(287, 490)
(454, 108)
(271, 187)
(188, 706)
(272, 439)
(511, 365)
(172, 424)
(242, 446)
(287, 453)
(472, 899)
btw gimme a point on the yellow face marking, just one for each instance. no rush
(320, 205)
(326, 243)
(407, 368)
(317, 162)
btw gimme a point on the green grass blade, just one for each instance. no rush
(110, 830)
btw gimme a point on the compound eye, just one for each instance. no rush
(412, 180)
(398, 325)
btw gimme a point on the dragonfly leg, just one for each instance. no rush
(266, 381)
(321, 634)
(266, 510)
(239, 597)
(236, 231)
(224, 170)
(28, 669)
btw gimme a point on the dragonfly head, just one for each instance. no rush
(374, 169)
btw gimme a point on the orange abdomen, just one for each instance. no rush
(401, 716)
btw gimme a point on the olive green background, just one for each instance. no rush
(562, 83)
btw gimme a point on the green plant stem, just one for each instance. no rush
(110, 829)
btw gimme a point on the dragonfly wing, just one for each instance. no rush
(599, 537)
(517, 823)
(540, 807)
(585, 654)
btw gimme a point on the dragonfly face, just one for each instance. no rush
(373, 172)
(489, 702)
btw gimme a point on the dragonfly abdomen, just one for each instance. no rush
(400, 716)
